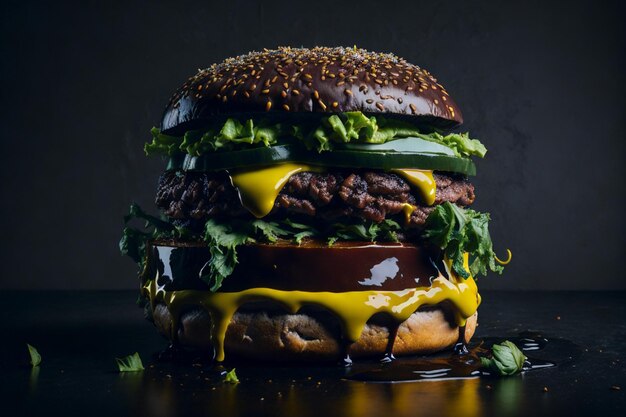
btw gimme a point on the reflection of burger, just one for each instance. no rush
(313, 209)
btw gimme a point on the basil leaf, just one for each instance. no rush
(507, 359)
(130, 363)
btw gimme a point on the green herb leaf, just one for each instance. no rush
(130, 363)
(270, 230)
(35, 357)
(456, 231)
(222, 240)
(507, 359)
(231, 377)
(133, 241)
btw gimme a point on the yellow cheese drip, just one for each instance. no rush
(423, 181)
(259, 187)
(353, 308)
(407, 209)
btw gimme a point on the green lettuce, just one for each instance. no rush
(322, 136)
(456, 231)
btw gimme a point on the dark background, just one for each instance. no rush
(540, 83)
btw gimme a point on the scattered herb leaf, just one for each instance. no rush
(130, 363)
(507, 359)
(35, 357)
(231, 377)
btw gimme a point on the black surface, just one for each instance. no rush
(79, 333)
(541, 83)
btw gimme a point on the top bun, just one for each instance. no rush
(313, 81)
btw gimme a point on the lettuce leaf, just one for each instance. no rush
(233, 134)
(162, 144)
(460, 143)
(456, 231)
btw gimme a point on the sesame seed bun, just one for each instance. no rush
(311, 81)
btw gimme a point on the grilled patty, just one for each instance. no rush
(193, 197)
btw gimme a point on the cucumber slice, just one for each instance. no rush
(413, 145)
(373, 157)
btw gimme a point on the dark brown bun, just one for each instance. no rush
(301, 337)
(317, 80)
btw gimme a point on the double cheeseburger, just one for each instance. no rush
(313, 207)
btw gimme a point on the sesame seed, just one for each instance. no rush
(295, 92)
(413, 108)
(380, 106)
(268, 106)
(322, 105)
(348, 92)
(335, 104)
(436, 101)
(340, 83)
(283, 94)
(308, 76)
(245, 93)
(266, 91)
(285, 85)
(369, 101)
(316, 94)
(286, 107)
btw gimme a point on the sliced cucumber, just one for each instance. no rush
(408, 154)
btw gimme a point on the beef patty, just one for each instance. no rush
(370, 195)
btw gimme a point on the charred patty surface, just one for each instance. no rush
(371, 195)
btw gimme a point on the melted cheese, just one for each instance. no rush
(353, 308)
(408, 209)
(259, 187)
(423, 180)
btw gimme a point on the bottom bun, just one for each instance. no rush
(278, 336)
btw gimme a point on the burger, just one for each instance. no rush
(314, 207)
